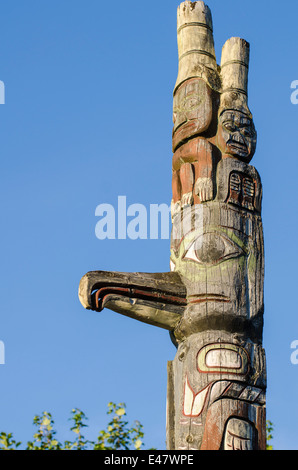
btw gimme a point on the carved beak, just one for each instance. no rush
(158, 299)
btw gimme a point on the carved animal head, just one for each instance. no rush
(193, 109)
(218, 256)
(236, 135)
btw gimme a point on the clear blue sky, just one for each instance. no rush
(88, 118)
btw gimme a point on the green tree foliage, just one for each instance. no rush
(117, 436)
(269, 432)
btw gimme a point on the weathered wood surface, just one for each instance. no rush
(158, 299)
(212, 302)
(216, 376)
(217, 381)
(220, 358)
(162, 283)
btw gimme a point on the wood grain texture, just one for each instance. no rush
(217, 247)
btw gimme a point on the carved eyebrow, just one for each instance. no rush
(192, 92)
(228, 121)
(228, 117)
(246, 122)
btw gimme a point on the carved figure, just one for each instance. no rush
(212, 300)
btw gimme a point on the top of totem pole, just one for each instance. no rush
(195, 44)
(197, 57)
(234, 75)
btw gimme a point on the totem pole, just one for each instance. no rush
(212, 300)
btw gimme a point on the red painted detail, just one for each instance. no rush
(135, 293)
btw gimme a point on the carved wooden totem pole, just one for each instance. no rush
(212, 300)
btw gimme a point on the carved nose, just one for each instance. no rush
(238, 137)
(179, 119)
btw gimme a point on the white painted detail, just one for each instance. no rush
(199, 402)
(225, 358)
(188, 399)
(194, 403)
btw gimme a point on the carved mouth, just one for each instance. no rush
(238, 146)
(199, 298)
(158, 299)
(184, 132)
(161, 287)
(101, 296)
(179, 126)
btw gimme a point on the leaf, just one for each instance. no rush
(120, 412)
(138, 444)
(46, 421)
(118, 435)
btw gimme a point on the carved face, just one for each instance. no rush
(212, 370)
(237, 135)
(218, 256)
(192, 110)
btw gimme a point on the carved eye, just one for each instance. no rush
(230, 126)
(212, 248)
(246, 131)
(192, 103)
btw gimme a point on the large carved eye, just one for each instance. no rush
(192, 103)
(230, 126)
(212, 248)
(246, 131)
